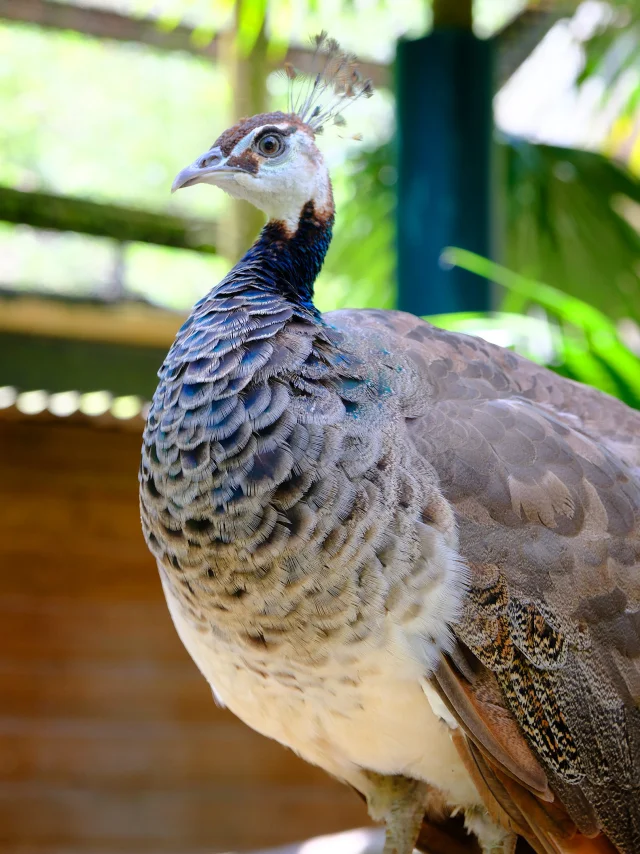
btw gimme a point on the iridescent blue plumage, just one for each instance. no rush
(291, 264)
(253, 362)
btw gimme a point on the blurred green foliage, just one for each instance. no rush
(105, 121)
(360, 266)
(613, 50)
(585, 344)
(565, 225)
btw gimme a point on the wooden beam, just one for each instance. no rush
(519, 38)
(123, 322)
(103, 24)
(30, 362)
(247, 76)
(112, 26)
(61, 213)
(514, 43)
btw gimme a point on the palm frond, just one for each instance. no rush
(565, 227)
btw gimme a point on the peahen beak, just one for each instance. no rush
(203, 170)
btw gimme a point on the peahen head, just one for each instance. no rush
(272, 159)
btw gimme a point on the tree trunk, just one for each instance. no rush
(248, 82)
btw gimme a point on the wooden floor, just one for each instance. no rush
(109, 738)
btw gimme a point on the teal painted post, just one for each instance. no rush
(444, 96)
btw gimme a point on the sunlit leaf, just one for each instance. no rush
(202, 36)
(251, 18)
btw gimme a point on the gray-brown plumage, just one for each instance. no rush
(544, 476)
(410, 556)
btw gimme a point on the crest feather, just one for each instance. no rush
(333, 83)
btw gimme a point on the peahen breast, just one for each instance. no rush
(270, 490)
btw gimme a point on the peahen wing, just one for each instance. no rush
(544, 478)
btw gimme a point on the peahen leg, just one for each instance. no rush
(405, 820)
(416, 815)
(401, 803)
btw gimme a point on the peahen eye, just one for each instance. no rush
(270, 145)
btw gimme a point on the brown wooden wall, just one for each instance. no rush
(109, 738)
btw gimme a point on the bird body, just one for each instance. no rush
(309, 625)
(409, 555)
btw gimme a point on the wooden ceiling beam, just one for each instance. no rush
(64, 213)
(103, 24)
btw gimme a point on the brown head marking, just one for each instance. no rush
(228, 140)
(248, 161)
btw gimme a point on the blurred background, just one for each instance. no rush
(492, 184)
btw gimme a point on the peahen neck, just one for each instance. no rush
(286, 262)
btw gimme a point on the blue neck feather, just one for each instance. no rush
(283, 264)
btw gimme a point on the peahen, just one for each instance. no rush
(409, 555)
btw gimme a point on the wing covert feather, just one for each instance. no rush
(544, 477)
